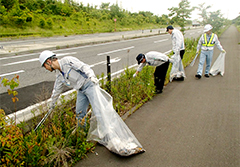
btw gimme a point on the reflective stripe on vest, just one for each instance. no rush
(210, 41)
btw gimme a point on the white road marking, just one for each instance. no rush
(35, 59)
(113, 51)
(11, 73)
(115, 60)
(160, 40)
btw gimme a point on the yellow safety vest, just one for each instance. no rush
(210, 41)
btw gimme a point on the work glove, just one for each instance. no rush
(94, 80)
(223, 51)
(51, 106)
(197, 52)
(134, 75)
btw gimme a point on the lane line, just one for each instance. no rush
(113, 51)
(35, 59)
(11, 73)
(115, 60)
(160, 40)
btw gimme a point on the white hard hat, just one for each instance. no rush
(207, 28)
(45, 55)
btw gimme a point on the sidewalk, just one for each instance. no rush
(192, 123)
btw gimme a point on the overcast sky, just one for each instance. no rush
(229, 8)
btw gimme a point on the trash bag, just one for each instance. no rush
(108, 128)
(218, 65)
(177, 70)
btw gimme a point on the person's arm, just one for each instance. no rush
(199, 43)
(174, 43)
(57, 90)
(217, 42)
(179, 41)
(85, 68)
(139, 69)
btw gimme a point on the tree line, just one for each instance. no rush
(69, 15)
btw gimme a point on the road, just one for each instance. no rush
(195, 123)
(36, 83)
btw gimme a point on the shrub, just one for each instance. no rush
(42, 22)
(49, 23)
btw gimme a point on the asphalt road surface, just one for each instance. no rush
(194, 123)
(36, 83)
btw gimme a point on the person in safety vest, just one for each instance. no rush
(161, 61)
(178, 46)
(207, 42)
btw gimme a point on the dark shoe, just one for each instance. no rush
(181, 79)
(158, 91)
(198, 76)
(206, 75)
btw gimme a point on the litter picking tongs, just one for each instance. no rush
(43, 119)
(192, 63)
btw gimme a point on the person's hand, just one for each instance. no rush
(51, 106)
(134, 75)
(223, 51)
(94, 80)
(197, 52)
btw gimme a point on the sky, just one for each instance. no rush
(229, 8)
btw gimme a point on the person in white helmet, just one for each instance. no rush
(207, 42)
(106, 125)
(73, 73)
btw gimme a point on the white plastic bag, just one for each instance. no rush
(177, 70)
(218, 65)
(108, 128)
(192, 63)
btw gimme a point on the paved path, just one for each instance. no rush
(195, 123)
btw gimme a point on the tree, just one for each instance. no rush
(8, 4)
(181, 13)
(203, 14)
(216, 20)
(104, 6)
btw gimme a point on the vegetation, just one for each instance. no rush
(214, 18)
(53, 17)
(181, 13)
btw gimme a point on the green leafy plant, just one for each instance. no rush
(13, 83)
(11, 139)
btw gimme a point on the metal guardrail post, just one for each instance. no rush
(108, 74)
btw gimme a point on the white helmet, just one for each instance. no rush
(45, 55)
(207, 28)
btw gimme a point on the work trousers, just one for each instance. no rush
(205, 55)
(182, 53)
(85, 96)
(159, 75)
